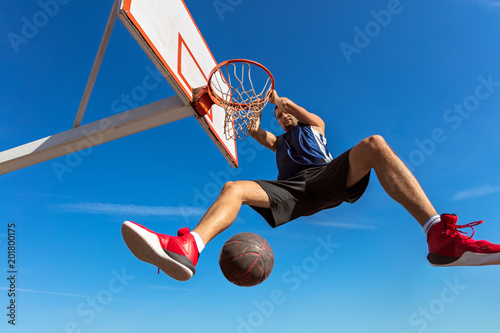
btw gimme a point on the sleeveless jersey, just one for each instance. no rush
(300, 148)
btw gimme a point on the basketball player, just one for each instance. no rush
(311, 180)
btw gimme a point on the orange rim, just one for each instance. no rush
(216, 98)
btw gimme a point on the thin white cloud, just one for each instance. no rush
(341, 225)
(63, 294)
(129, 209)
(477, 191)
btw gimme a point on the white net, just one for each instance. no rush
(233, 86)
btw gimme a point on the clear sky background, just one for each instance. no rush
(427, 79)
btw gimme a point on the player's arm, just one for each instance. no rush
(302, 115)
(265, 138)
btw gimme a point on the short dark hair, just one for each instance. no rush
(275, 108)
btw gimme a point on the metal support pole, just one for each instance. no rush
(114, 127)
(97, 64)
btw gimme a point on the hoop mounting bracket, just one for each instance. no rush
(201, 100)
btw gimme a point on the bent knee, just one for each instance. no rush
(235, 188)
(230, 186)
(375, 143)
(248, 192)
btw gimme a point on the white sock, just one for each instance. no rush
(199, 242)
(433, 220)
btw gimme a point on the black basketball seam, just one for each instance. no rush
(263, 259)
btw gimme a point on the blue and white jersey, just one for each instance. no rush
(300, 148)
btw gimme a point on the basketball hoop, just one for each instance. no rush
(242, 87)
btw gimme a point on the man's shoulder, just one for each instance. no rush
(302, 126)
(296, 129)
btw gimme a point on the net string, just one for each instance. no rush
(242, 105)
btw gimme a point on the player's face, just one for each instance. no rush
(285, 119)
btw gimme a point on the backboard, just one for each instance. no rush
(168, 34)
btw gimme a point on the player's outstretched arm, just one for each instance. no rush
(302, 115)
(265, 138)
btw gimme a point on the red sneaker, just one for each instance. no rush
(175, 256)
(449, 247)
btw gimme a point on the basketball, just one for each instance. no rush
(246, 259)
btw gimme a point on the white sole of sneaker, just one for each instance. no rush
(146, 247)
(474, 259)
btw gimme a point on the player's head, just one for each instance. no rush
(285, 119)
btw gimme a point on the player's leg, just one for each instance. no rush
(394, 176)
(447, 245)
(225, 209)
(178, 255)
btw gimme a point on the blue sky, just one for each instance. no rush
(427, 79)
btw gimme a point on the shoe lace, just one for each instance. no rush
(454, 228)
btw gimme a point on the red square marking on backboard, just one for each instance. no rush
(182, 45)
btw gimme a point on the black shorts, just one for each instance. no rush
(310, 191)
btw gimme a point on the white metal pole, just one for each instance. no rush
(97, 64)
(92, 134)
